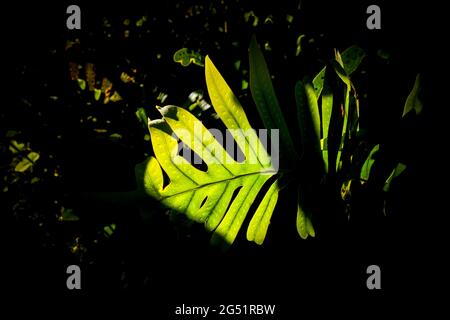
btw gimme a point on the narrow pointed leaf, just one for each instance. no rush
(308, 113)
(259, 224)
(413, 102)
(265, 98)
(27, 162)
(304, 225)
(398, 170)
(318, 81)
(327, 108)
(342, 74)
(367, 166)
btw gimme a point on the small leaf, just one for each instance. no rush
(16, 147)
(109, 230)
(394, 174)
(186, 57)
(367, 166)
(413, 102)
(338, 58)
(82, 84)
(299, 44)
(27, 162)
(141, 115)
(115, 97)
(304, 225)
(327, 108)
(352, 58)
(115, 136)
(97, 94)
(68, 215)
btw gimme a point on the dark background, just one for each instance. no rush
(161, 269)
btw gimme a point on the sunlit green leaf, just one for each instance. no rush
(115, 136)
(35, 180)
(259, 224)
(299, 44)
(327, 108)
(140, 22)
(16, 147)
(186, 57)
(82, 84)
(27, 162)
(109, 230)
(221, 196)
(318, 81)
(367, 166)
(97, 94)
(11, 133)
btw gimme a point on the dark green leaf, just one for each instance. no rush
(413, 102)
(318, 82)
(367, 166)
(351, 58)
(265, 99)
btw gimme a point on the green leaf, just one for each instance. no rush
(299, 44)
(308, 117)
(82, 84)
(68, 215)
(27, 162)
(352, 58)
(327, 108)
(259, 224)
(318, 81)
(109, 230)
(221, 196)
(97, 94)
(186, 57)
(394, 174)
(340, 71)
(16, 147)
(413, 102)
(338, 58)
(367, 166)
(141, 115)
(115, 136)
(304, 225)
(342, 74)
(265, 99)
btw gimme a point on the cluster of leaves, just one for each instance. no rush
(221, 195)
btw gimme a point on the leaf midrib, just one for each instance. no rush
(273, 171)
